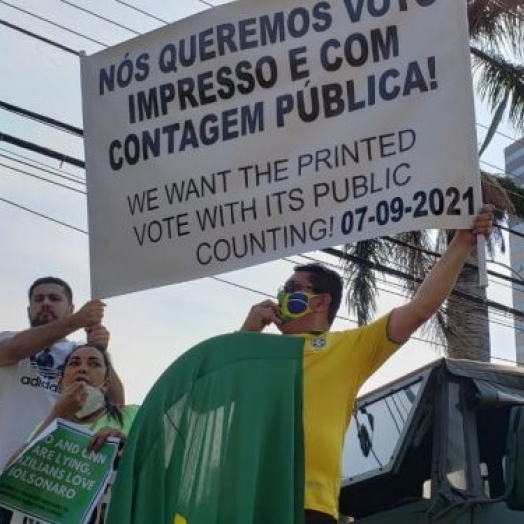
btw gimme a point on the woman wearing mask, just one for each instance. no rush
(84, 383)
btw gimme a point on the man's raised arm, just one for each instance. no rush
(440, 281)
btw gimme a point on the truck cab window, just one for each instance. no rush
(492, 429)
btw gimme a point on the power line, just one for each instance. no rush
(405, 296)
(80, 163)
(394, 272)
(43, 19)
(141, 11)
(42, 150)
(80, 132)
(41, 215)
(219, 279)
(406, 276)
(510, 174)
(41, 165)
(519, 140)
(42, 119)
(467, 264)
(501, 170)
(21, 171)
(41, 38)
(512, 231)
(84, 231)
(100, 17)
(240, 286)
(56, 123)
(410, 246)
(48, 171)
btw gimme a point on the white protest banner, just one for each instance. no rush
(257, 130)
(56, 480)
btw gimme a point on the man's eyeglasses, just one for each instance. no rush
(294, 287)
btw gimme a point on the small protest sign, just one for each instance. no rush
(56, 480)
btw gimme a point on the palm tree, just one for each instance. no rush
(462, 324)
(496, 29)
(467, 322)
(496, 39)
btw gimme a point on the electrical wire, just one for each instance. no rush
(21, 171)
(12, 155)
(100, 17)
(80, 163)
(43, 19)
(512, 231)
(42, 150)
(41, 38)
(397, 273)
(37, 117)
(143, 12)
(79, 132)
(154, 17)
(211, 5)
(404, 296)
(41, 215)
(48, 171)
(240, 286)
(513, 139)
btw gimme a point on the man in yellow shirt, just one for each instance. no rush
(336, 364)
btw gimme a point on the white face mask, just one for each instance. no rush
(95, 400)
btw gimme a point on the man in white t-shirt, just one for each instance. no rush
(31, 360)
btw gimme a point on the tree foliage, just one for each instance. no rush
(497, 50)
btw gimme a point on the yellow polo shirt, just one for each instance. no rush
(336, 364)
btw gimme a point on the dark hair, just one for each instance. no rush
(113, 411)
(52, 280)
(325, 280)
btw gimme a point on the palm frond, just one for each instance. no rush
(412, 252)
(514, 192)
(497, 48)
(498, 79)
(497, 24)
(493, 192)
(495, 122)
(361, 275)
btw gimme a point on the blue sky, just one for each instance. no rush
(150, 328)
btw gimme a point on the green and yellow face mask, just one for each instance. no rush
(294, 305)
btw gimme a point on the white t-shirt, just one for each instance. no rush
(28, 390)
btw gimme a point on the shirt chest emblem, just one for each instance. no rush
(318, 342)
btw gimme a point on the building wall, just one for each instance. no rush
(514, 160)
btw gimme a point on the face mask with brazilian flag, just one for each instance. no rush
(219, 438)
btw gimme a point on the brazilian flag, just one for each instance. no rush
(219, 438)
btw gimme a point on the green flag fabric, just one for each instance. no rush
(219, 438)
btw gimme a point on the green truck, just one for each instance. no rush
(443, 444)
